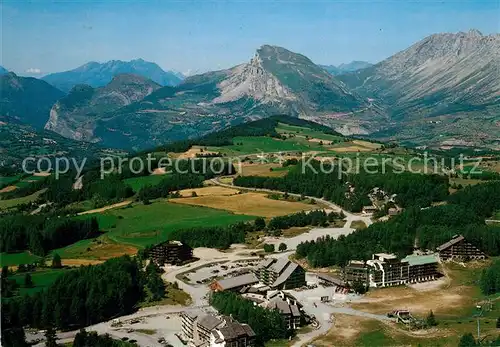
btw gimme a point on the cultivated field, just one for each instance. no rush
(268, 170)
(254, 204)
(208, 191)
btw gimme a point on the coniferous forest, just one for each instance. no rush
(430, 227)
(82, 297)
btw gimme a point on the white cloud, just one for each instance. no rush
(33, 70)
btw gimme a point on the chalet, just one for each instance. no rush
(281, 274)
(170, 252)
(232, 334)
(201, 329)
(459, 248)
(287, 305)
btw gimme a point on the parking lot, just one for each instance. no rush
(211, 272)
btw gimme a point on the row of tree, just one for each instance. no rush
(267, 324)
(221, 237)
(41, 233)
(302, 219)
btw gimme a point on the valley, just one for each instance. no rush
(219, 215)
(319, 174)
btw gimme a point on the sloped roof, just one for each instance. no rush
(232, 330)
(285, 274)
(280, 265)
(238, 281)
(331, 279)
(450, 243)
(268, 262)
(209, 322)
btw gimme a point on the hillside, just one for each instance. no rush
(74, 115)
(100, 74)
(18, 141)
(274, 81)
(446, 84)
(354, 65)
(26, 100)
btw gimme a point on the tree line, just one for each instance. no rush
(267, 324)
(81, 297)
(490, 279)
(351, 190)
(41, 233)
(221, 237)
(302, 219)
(428, 227)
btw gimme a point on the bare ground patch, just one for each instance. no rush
(105, 208)
(8, 189)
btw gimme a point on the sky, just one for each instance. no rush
(40, 37)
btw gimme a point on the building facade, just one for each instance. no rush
(356, 271)
(170, 252)
(281, 274)
(208, 330)
(385, 270)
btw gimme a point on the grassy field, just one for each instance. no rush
(208, 191)
(296, 130)
(254, 204)
(136, 183)
(41, 280)
(4, 204)
(138, 225)
(268, 170)
(173, 296)
(10, 259)
(261, 144)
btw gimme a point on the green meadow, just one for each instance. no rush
(140, 225)
(41, 279)
(9, 259)
(136, 183)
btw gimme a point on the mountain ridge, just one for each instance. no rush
(98, 74)
(26, 99)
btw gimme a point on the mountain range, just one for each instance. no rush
(354, 65)
(274, 81)
(444, 86)
(443, 90)
(26, 99)
(99, 74)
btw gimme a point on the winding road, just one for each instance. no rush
(349, 216)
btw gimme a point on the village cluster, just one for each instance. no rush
(299, 296)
